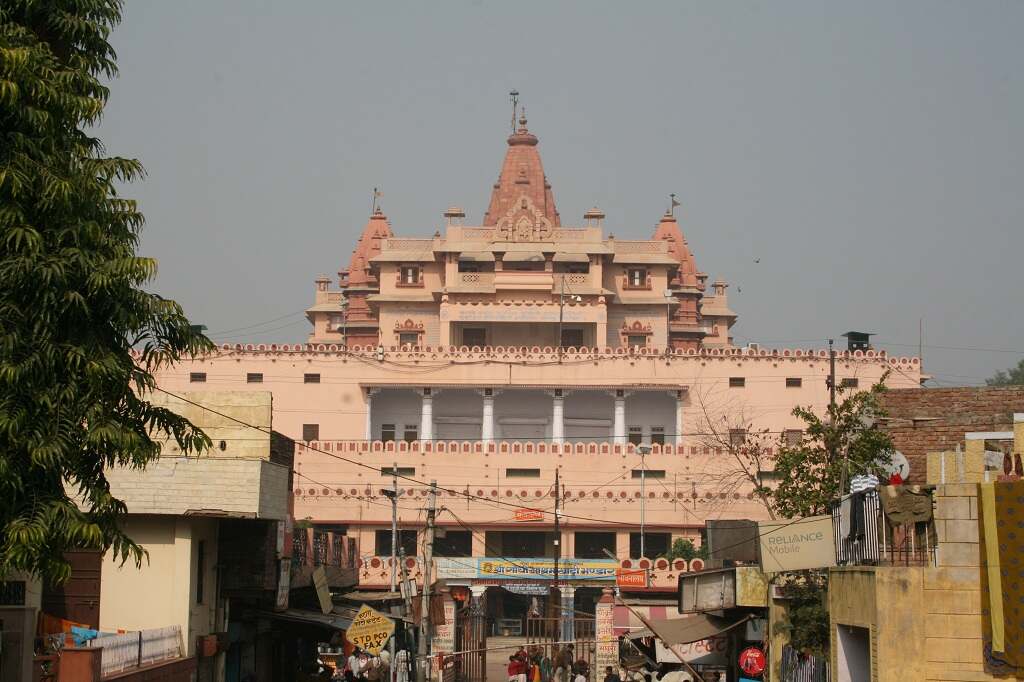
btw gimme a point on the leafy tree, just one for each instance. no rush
(72, 396)
(805, 618)
(843, 444)
(683, 548)
(1010, 377)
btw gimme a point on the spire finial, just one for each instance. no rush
(377, 194)
(522, 118)
(672, 205)
(514, 96)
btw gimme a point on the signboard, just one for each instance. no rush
(323, 591)
(444, 634)
(712, 651)
(757, 630)
(284, 579)
(796, 545)
(370, 630)
(607, 646)
(631, 577)
(526, 569)
(534, 589)
(752, 661)
(528, 515)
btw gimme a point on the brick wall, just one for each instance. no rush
(926, 420)
(176, 485)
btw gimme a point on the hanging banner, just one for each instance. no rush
(525, 569)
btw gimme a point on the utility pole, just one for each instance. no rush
(408, 592)
(643, 496)
(558, 531)
(428, 560)
(832, 394)
(394, 547)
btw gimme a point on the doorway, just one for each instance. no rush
(853, 654)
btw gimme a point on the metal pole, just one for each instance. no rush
(394, 523)
(394, 553)
(643, 499)
(832, 396)
(428, 560)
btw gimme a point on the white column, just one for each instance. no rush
(427, 416)
(679, 418)
(557, 417)
(369, 413)
(487, 425)
(619, 428)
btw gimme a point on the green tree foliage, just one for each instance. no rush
(842, 444)
(1010, 377)
(72, 396)
(682, 548)
(805, 619)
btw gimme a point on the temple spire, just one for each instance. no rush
(522, 175)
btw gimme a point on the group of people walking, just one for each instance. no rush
(535, 664)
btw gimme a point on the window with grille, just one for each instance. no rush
(849, 382)
(648, 473)
(636, 340)
(637, 278)
(474, 336)
(793, 437)
(310, 432)
(387, 432)
(410, 274)
(411, 433)
(737, 437)
(254, 378)
(636, 435)
(794, 382)
(406, 542)
(197, 377)
(409, 339)
(737, 382)
(401, 471)
(522, 473)
(311, 378)
(658, 435)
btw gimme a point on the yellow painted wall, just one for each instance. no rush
(162, 592)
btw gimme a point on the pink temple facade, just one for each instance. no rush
(486, 357)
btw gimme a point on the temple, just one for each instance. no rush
(522, 279)
(490, 357)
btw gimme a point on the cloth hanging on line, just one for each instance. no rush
(906, 503)
(863, 482)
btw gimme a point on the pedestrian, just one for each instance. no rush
(352, 667)
(513, 668)
(402, 665)
(610, 675)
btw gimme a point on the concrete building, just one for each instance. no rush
(214, 529)
(936, 619)
(487, 357)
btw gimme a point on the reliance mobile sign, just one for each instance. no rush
(796, 545)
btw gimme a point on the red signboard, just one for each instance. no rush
(528, 515)
(627, 577)
(752, 661)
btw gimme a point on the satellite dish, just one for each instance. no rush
(897, 464)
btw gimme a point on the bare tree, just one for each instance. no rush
(728, 427)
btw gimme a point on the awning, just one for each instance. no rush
(334, 621)
(571, 258)
(476, 256)
(523, 257)
(687, 630)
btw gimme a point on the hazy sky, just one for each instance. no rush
(869, 154)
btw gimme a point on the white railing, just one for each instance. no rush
(136, 649)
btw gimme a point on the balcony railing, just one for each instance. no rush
(867, 538)
(312, 547)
